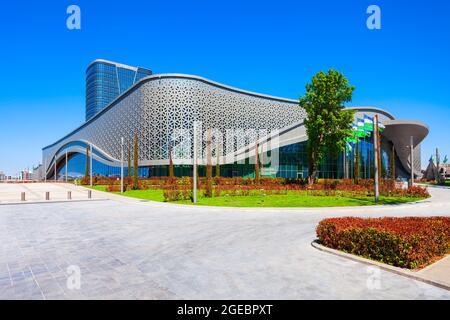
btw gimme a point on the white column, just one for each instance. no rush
(55, 169)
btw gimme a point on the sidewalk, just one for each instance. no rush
(438, 271)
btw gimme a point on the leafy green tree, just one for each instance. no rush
(327, 123)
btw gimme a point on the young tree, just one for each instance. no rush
(129, 160)
(171, 171)
(392, 160)
(357, 164)
(86, 172)
(208, 187)
(135, 163)
(327, 122)
(257, 162)
(218, 160)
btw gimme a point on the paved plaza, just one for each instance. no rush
(10, 193)
(131, 249)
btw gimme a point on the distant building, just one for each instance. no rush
(444, 170)
(106, 80)
(25, 175)
(2, 176)
(38, 173)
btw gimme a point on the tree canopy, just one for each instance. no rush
(327, 123)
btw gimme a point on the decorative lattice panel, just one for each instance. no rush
(162, 112)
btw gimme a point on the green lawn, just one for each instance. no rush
(291, 200)
(154, 195)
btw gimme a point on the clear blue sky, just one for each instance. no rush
(272, 47)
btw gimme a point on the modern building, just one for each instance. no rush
(106, 80)
(25, 175)
(38, 173)
(160, 110)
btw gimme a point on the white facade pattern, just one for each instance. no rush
(159, 106)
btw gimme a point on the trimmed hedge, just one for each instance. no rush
(409, 242)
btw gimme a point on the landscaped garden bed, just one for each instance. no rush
(411, 242)
(264, 192)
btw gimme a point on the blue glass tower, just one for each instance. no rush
(106, 80)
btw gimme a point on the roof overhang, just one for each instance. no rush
(400, 133)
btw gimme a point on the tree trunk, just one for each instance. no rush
(393, 163)
(208, 188)
(218, 161)
(312, 168)
(257, 162)
(86, 173)
(135, 169)
(171, 171)
(129, 160)
(357, 163)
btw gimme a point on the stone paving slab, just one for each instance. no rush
(10, 193)
(438, 271)
(437, 277)
(147, 250)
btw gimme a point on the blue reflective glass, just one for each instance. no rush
(105, 82)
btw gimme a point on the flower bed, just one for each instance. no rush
(248, 186)
(403, 242)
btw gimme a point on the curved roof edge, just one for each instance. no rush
(408, 122)
(219, 85)
(197, 78)
(373, 109)
(117, 64)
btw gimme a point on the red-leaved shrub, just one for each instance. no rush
(409, 242)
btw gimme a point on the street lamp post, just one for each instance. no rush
(121, 165)
(56, 178)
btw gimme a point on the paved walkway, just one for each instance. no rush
(10, 193)
(129, 249)
(438, 271)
